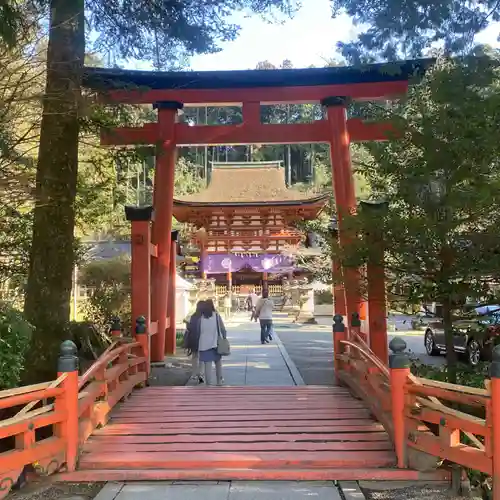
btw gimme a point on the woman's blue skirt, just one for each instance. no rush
(210, 356)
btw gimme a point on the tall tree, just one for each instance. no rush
(160, 30)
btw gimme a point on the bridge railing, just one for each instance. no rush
(429, 422)
(49, 422)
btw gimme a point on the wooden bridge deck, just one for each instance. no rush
(297, 433)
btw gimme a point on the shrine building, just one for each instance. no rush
(244, 221)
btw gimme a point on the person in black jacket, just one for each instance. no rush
(192, 340)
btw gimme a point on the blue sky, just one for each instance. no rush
(307, 39)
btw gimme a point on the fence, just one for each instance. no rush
(430, 422)
(47, 433)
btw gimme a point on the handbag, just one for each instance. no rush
(223, 347)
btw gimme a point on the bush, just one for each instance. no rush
(15, 336)
(472, 376)
(109, 281)
(323, 297)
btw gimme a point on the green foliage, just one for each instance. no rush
(398, 30)
(323, 297)
(109, 281)
(187, 178)
(441, 181)
(15, 334)
(466, 374)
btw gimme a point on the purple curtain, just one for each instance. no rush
(270, 263)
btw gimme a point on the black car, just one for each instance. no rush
(474, 336)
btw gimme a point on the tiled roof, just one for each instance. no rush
(255, 183)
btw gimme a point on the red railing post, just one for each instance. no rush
(142, 336)
(339, 334)
(68, 402)
(399, 365)
(495, 420)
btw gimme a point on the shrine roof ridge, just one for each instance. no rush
(247, 164)
(321, 198)
(115, 78)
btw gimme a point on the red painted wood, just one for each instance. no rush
(264, 95)
(340, 474)
(220, 417)
(238, 447)
(212, 425)
(173, 407)
(208, 437)
(297, 133)
(141, 430)
(345, 199)
(263, 460)
(272, 428)
(163, 195)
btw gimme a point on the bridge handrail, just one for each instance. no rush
(439, 421)
(357, 367)
(69, 408)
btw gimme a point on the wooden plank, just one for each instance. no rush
(221, 418)
(248, 414)
(261, 460)
(214, 424)
(171, 405)
(326, 474)
(141, 430)
(244, 400)
(238, 447)
(240, 438)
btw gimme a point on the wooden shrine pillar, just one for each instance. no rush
(166, 157)
(343, 185)
(375, 276)
(170, 337)
(203, 260)
(338, 292)
(264, 282)
(140, 218)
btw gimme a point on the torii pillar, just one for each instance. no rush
(163, 197)
(343, 186)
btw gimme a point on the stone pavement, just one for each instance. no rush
(236, 490)
(252, 363)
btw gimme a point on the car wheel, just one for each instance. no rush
(474, 352)
(430, 344)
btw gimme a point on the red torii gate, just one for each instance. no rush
(334, 88)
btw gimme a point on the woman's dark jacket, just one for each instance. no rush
(193, 333)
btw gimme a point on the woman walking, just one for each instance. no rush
(192, 340)
(211, 328)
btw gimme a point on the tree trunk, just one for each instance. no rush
(451, 355)
(48, 293)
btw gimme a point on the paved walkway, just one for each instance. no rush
(236, 490)
(252, 363)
